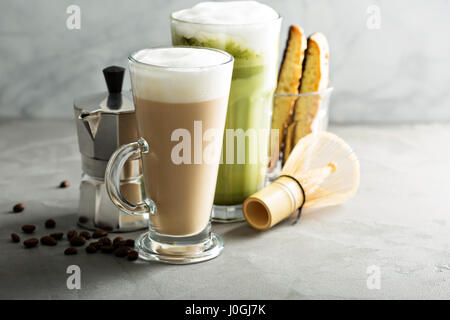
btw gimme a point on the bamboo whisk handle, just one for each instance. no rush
(274, 203)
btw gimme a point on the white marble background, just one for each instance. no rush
(398, 73)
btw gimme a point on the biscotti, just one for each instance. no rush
(315, 78)
(288, 81)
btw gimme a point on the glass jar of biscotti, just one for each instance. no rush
(310, 114)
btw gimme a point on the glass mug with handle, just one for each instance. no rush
(180, 96)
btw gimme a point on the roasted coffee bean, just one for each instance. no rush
(15, 237)
(85, 235)
(48, 241)
(28, 228)
(91, 249)
(122, 251)
(107, 249)
(50, 224)
(70, 251)
(83, 219)
(105, 241)
(122, 243)
(96, 244)
(117, 241)
(30, 243)
(57, 235)
(64, 184)
(77, 241)
(130, 243)
(99, 233)
(19, 207)
(71, 234)
(133, 255)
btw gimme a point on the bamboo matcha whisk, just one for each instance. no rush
(322, 170)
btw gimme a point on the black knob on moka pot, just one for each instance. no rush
(114, 80)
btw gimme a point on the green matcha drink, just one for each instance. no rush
(249, 31)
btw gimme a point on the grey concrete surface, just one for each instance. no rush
(386, 74)
(399, 221)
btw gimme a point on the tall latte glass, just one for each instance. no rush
(180, 95)
(249, 31)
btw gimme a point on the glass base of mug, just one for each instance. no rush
(227, 214)
(152, 250)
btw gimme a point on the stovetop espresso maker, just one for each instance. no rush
(104, 122)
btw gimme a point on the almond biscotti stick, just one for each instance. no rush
(288, 80)
(288, 141)
(315, 78)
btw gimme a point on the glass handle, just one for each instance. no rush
(112, 178)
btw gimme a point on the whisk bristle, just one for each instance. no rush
(332, 165)
(322, 170)
(326, 167)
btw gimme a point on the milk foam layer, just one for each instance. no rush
(180, 57)
(180, 75)
(248, 25)
(233, 12)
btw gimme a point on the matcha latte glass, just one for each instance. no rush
(249, 31)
